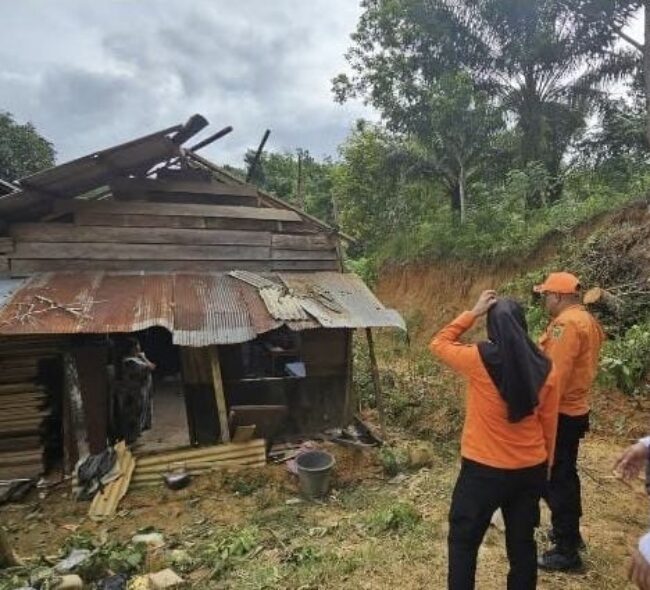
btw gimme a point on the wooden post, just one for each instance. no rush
(347, 408)
(217, 383)
(375, 379)
(76, 405)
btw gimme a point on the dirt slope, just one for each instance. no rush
(427, 294)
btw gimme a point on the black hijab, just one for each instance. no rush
(516, 366)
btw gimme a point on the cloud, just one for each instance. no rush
(95, 74)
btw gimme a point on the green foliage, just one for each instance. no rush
(279, 173)
(224, 552)
(454, 136)
(22, 150)
(625, 361)
(541, 59)
(399, 517)
(245, 483)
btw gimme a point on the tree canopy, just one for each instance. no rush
(22, 150)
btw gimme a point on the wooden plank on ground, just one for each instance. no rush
(67, 232)
(104, 504)
(86, 251)
(23, 267)
(213, 452)
(187, 210)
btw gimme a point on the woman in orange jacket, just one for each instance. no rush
(508, 438)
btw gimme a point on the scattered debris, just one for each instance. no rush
(104, 504)
(177, 480)
(15, 490)
(69, 582)
(117, 582)
(93, 472)
(398, 479)
(164, 579)
(74, 559)
(151, 540)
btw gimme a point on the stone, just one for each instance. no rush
(151, 540)
(69, 582)
(165, 579)
(139, 583)
(421, 454)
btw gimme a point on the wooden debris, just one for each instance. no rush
(244, 433)
(104, 504)
(150, 469)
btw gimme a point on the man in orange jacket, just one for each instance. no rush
(572, 341)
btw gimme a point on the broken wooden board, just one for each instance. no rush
(151, 468)
(104, 504)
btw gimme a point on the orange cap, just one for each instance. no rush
(559, 282)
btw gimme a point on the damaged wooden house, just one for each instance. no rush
(239, 299)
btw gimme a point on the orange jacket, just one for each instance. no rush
(572, 341)
(488, 437)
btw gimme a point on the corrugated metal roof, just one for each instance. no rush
(7, 288)
(199, 309)
(90, 172)
(324, 292)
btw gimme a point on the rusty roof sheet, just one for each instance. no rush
(341, 300)
(199, 309)
(8, 287)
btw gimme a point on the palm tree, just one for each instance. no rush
(536, 57)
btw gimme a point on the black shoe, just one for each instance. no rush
(582, 546)
(557, 561)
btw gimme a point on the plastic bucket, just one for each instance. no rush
(314, 471)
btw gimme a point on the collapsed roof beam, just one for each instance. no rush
(208, 140)
(258, 155)
(194, 124)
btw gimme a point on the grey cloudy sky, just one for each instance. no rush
(90, 74)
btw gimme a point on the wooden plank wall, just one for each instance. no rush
(132, 235)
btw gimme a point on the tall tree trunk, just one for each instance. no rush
(646, 69)
(461, 191)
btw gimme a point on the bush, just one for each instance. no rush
(626, 361)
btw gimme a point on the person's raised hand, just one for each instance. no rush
(639, 571)
(485, 302)
(633, 459)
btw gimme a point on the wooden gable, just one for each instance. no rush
(188, 221)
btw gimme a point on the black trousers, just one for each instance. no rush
(479, 491)
(564, 487)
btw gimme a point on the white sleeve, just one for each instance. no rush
(645, 441)
(644, 546)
